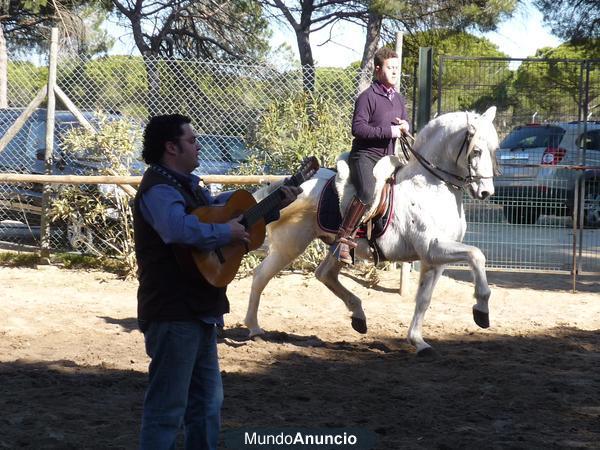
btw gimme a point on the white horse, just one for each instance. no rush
(453, 152)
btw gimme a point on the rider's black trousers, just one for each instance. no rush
(361, 174)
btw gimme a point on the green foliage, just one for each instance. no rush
(14, 259)
(99, 219)
(27, 25)
(94, 82)
(573, 21)
(287, 134)
(456, 15)
(115, 144)
(66, 260)
(551, 88)
(450, 43)
(24, 81)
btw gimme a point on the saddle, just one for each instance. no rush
(338, 193)
(384, 172)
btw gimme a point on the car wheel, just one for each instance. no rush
(591, 213)
(521, 214)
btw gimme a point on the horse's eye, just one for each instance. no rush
(477, 151)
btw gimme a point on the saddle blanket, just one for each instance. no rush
(329, 217)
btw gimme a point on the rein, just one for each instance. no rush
(458, 182)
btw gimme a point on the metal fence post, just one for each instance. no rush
(425, 79)
(404, 267)
(48, 155)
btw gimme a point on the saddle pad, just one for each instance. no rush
(329, 217)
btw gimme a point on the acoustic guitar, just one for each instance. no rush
(220, 266)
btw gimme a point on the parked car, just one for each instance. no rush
(25, 154)
(533, 178)
(220, 155)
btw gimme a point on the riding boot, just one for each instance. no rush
(345, 234)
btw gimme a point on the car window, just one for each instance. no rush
(531, 137)
(209, 148)
(235, 150)
(222, 148)
(589, 140)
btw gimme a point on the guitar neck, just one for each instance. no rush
(272, 201)
(262, 208)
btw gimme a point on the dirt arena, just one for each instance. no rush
(73, 367)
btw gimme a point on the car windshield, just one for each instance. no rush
(533, 136)
(222, 148)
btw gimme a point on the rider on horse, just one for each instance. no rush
(380, 117)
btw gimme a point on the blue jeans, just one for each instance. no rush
(185, 386)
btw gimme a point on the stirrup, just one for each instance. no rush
(343, 256)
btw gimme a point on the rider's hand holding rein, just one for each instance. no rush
(400, 127)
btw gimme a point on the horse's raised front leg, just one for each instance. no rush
(427, 281)
(327, 273)
(287, 243)
(444, 252)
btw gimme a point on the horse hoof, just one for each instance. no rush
(482, 319)
(427, 353)
(359, 325)
(256, 332)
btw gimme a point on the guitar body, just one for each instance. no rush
(220, 266)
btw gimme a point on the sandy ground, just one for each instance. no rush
(73, 367)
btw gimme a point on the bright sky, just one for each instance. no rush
(519, 37)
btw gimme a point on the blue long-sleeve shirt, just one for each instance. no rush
(163, 207)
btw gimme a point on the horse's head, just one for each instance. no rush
(461, 146)
(480, 154)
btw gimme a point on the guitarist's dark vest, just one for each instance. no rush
(170, 287)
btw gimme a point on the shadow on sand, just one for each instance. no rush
(481, 391)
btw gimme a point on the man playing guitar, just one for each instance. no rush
(178, 310)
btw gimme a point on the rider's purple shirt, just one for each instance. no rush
(374, 114)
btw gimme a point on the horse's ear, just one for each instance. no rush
(490, 114)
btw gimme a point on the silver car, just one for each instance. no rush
(534, 178)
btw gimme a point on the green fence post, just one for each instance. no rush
(425, 80)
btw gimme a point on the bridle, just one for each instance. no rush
(452, 179)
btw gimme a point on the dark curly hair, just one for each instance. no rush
(382, 54)
(159, 131)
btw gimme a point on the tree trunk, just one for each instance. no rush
(155, 106)
(306, 60)
(3, 70)
(371, 42)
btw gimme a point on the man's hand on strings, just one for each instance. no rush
(290, 193)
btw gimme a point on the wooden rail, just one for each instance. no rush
(132, 180)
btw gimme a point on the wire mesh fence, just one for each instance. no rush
(549, 146)
(240, 111)
(236, 110)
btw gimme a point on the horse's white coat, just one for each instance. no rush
(428, 223)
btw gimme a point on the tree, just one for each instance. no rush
(458, 78)
(308, 16)
(551, 86)
(222, 30)
(25, 28)
(212, 30)
(382, 18)
(572, 20)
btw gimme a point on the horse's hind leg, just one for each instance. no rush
(327, 273)
(282, 251)
(428, 278)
